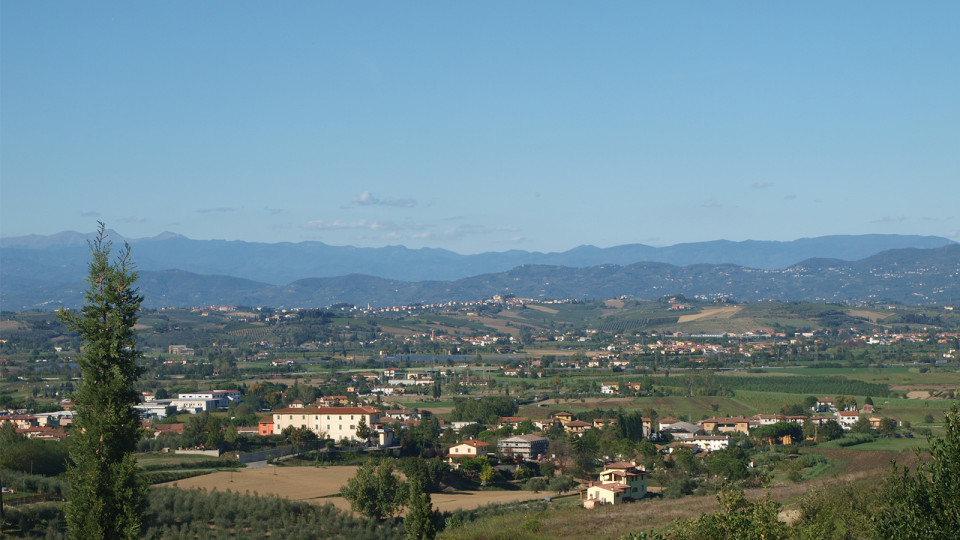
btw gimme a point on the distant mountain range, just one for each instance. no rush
(43, 272)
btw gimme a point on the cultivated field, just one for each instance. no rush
(711, 313)
(321, 485)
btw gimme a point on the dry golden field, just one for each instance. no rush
(320, 485)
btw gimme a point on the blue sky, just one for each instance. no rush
(482, 126)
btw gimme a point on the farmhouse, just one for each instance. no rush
(467, 449)
(725, 425)
(577, 427)
(610, 388)
(619, 482)
(847, 419)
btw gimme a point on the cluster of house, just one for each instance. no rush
(39, 425)
(623, 481)
(192, 402)
(618, 482)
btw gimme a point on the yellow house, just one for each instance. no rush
(619, 482)
(467, 449)
(577, 427)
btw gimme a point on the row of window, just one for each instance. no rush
(317, 417)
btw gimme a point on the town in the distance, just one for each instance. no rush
(563, 403)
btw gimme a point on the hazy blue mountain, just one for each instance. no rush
(908, 276)
(29, 262)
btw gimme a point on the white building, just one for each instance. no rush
(709, 443)
(193, 405)
(338, 423)
(222, 397)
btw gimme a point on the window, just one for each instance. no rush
(353, 426)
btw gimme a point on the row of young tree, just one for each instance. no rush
(178, 513)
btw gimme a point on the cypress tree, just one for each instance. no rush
(106, 501)
(418, 522)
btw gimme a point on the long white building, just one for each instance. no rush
(339, 423)
(223, 397)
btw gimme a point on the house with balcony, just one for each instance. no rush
(618, 483)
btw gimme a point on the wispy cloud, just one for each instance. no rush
(133, 219)
(761, 185)
(711, 204)
(790, 197)
(337, 225)
(460, 231)
(890, 219)
(219, 209)
(369, 199)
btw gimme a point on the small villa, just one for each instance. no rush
(467, 449)
(618, 483)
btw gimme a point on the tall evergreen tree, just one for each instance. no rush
(418, 522)
(106, 500)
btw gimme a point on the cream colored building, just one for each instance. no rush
(338, 423)
(619, 482)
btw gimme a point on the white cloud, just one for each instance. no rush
(369, 199)
(711, 204)
(761, 185)
(363, 224)
(218, 210)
